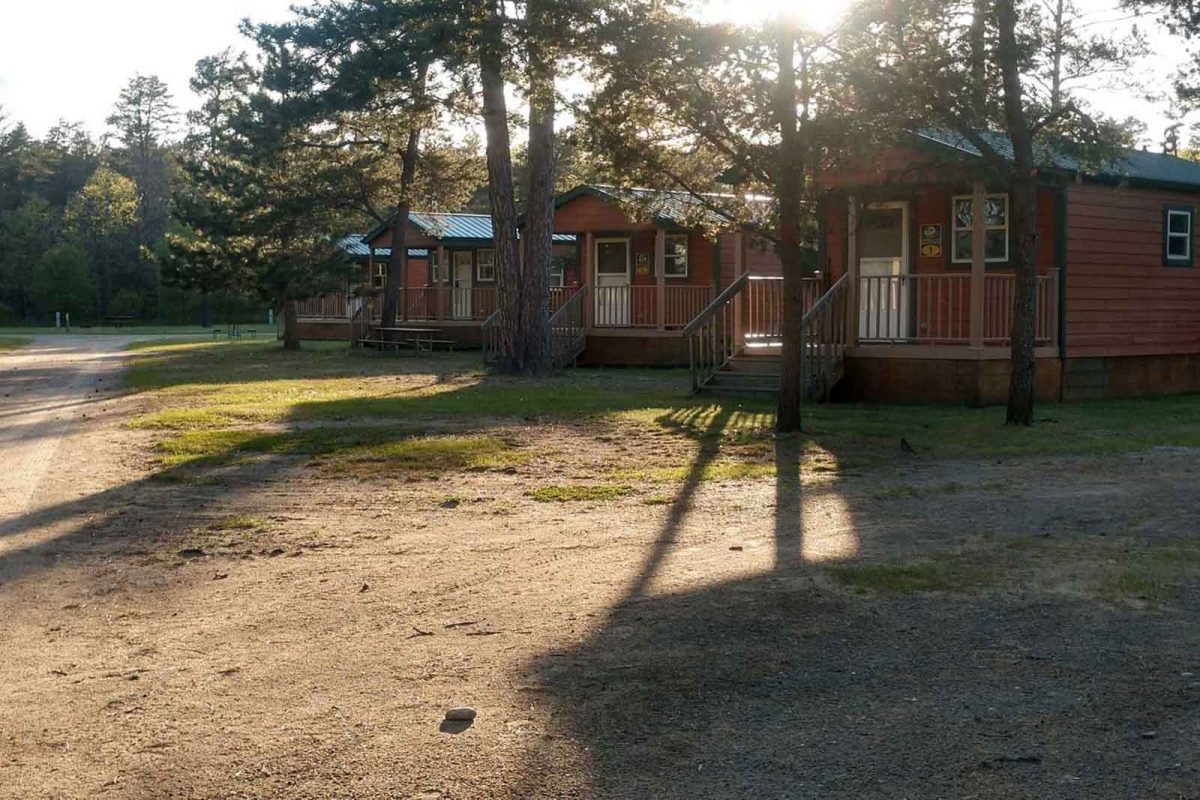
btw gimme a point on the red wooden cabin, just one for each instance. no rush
(928, 309)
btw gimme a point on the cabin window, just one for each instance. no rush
(380, 277)
(433, 266)
(1177, 238)
(558, 271)
(676, 263)
(995, 216)
(486, 260)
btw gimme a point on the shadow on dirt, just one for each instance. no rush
(780, 685)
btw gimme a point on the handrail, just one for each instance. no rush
(717, 304)
(823, 336)
(567, 331)
(826, 299)
(486, 332)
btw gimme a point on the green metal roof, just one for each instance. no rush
(669, 207)
(356, 247)
(1159, 169)
(455, 228)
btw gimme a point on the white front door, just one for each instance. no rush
(461, 285)
(614, 295)
(884, 291)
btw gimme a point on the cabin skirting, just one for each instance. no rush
(1131, 376)
(973, 382)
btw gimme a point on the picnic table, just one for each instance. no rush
(118, 321)
(421, 339)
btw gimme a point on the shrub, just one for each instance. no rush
(126, 303)
(63, 282)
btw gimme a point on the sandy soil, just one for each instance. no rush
(153, 647)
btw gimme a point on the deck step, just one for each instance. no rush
(761, 392)
(754, 365)
(752, 379)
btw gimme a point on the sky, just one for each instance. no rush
(70, 58)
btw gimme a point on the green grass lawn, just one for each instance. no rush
(12, 342)
(220, 397)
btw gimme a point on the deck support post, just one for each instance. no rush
(660, 277)
(852, 272)
(978, 262)
(443, 272)
(588, 273)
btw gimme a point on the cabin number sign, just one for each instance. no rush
(931, 239)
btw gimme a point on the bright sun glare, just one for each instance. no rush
(820, 14)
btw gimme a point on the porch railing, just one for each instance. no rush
(823, 335)
(935, 309)
(329, 306)
(568, 329)
(712, 336)
(764, 305)
(638, 306)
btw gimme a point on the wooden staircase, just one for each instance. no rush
(753, 373)
(568, 335)
(722, 363)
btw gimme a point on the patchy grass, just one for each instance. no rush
(717, 471)
(933, 576)
(342, 448)
(220, 386)
(1154, 573)
(579, 493)
(13, 342)
(657, 500)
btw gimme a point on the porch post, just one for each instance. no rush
(585, 279)
(739, 267)
(660, 275)
(443, 272)
(978, 263)
(852, 272)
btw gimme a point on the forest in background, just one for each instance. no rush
(83, 219)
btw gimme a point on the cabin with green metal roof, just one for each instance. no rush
(918, 240)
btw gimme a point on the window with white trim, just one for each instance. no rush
(675, 264)
(1177, 235)
(485, 261)
(995, 217)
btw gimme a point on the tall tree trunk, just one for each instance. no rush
(789, 188)
(205, 311)
(397, 274)
(510, 347)
(539, 221)
(1059, 19)
(1021, 386)
(291, 326)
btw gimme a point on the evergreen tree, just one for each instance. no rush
(261, 215)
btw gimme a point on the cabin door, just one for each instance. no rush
(884, 289)
(461, 285)
(614, 294)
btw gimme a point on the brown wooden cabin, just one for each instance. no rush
(928, 318)
(645, 280)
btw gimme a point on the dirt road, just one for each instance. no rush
(47, 392)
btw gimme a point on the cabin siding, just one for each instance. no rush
(1120, 299)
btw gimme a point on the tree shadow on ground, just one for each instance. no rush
(783, 685)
